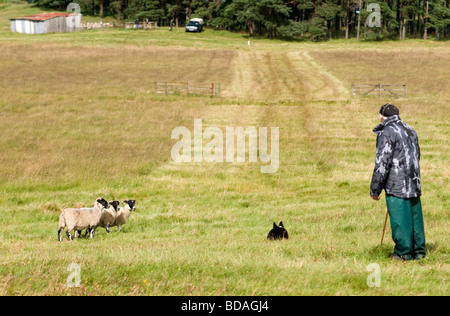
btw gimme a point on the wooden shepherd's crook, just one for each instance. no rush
(384, 228)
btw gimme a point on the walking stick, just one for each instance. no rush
(384, 228)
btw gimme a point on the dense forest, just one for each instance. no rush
(300, 19)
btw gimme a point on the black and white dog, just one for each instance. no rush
(278, 232)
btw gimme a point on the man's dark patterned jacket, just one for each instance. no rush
(397, 168)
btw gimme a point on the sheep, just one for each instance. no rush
(124, 213)
(79, 219)
(108, 216)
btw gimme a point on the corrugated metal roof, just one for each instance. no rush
(43, 16)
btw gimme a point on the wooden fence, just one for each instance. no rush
(380, 90)
(212, 89)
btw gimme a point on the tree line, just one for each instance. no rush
(294, 19)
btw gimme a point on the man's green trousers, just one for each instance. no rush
(407, 227)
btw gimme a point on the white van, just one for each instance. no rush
(195, 25)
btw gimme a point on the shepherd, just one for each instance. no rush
(397, 171)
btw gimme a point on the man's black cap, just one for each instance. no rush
(389, 109)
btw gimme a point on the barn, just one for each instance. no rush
(54, 22)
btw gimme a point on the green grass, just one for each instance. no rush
(79, 119)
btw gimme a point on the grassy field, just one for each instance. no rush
(79, 119)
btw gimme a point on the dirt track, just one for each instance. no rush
(282, 75)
